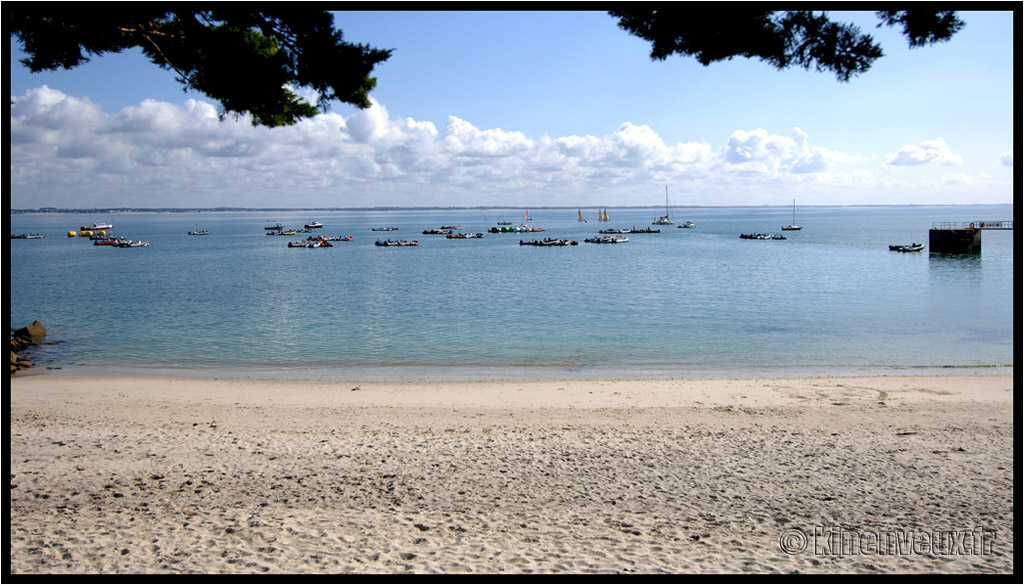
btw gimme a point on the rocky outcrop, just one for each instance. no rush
(21, 339)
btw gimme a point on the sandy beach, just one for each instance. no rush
(127, 474)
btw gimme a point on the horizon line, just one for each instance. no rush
(121, 209)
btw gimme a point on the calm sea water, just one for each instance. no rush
(831, 299)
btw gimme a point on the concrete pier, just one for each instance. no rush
(961, 237)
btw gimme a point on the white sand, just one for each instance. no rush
(156, 475)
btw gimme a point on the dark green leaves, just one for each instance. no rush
(251, 61)
(782, 39)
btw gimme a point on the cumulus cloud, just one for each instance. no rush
(758, 152)
(164, 154)
(1006, 159)
(929, 151)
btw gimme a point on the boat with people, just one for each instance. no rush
(331, 238)
(396, 243)
(131, 244)
(632, 230)
(311, 243)
(384, 229)
(107, 241)
(27, 236)
(514, 229)
(440, 232)
(548, 242)
(664, 219)
(276, 227)
(464, 236)
(688, 224)
(283, 233)
(607, 240)
(792, 227)
(313, 225)
(451, 227)
(915, 247)
(200, 233)
(762, 237)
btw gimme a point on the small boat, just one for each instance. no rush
(548, 242)
(451, 227)
(762, 237)
(688, 224)
(396, 243)
(331, 238)
(613, 231)
(97, 227)
(915, 247)
(200, 233)
(504, 223)
(27, 236)
(131, 244)
(313, 225)
(441, 232)
(665, 219)
(107, 241)
(792, 227)
(384, 229)
(607, 240)
(276, 227)
(643, 231)
(463, 236)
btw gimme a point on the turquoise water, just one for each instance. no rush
(831, 299)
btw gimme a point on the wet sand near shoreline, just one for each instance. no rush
(131, 474)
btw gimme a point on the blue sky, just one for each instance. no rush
(536, 108)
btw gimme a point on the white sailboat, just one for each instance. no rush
(793, 227)
(665, 219)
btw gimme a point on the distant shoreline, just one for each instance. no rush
(56, 210)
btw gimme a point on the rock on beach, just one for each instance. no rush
(20, 340)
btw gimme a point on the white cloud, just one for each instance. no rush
(460, 138)
(1006, 159)
(66, 152)
(929, 151)
(759, 153)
